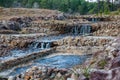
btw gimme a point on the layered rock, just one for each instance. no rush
(106, 54)
(109, 62)
(106, 29)
(60, 23)
(85, 41)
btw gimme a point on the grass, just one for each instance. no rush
(102, 64)
(86, 72)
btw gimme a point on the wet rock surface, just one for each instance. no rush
(28, 38)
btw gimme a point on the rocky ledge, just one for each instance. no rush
(103, 65)
(81, 35)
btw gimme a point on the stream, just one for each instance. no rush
(42, 43)
(58, 61)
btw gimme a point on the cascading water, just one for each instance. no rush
(34, 47)
(45, 45)
(81, 30)
(41, 45)
(75, 30)
(94, 19)
(85, 29)
(48, 45)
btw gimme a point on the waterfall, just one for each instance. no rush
(45, 45)
(33, 45)
(81, 30)
(48, 45)
(75, 30)
(41, 45)
(95, 20)
(36, 45)
(85, 29)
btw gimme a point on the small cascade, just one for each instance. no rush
(94, 19)
(76, 30)
(33, 45)
(45, 45)
(81, 30)
(85, 29)
(36, 45)
(48, 45)
(41, 45)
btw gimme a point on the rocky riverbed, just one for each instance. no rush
(51, 45)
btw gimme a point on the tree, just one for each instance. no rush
(98, 9)
(72, 6)
(106, 7)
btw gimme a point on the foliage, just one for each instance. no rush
(70, 6)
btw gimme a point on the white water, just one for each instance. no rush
(37, 46)
(33, 48)
(41, 44)
(82, 30)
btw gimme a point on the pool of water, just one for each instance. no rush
(62, 61)
(58, 61)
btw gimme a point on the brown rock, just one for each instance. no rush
(115, 62)
(58, 75)
(49, 72)
(116, 53)
(113, 74)
(98, 75)
(27, 78)
(34, 68)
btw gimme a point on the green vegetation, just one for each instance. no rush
(102, 63)
(86, 72)
(70, 6)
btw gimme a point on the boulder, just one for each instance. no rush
(116, 53)
(115, 62)
(60, 16)
(112, 74)
(14, 26)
